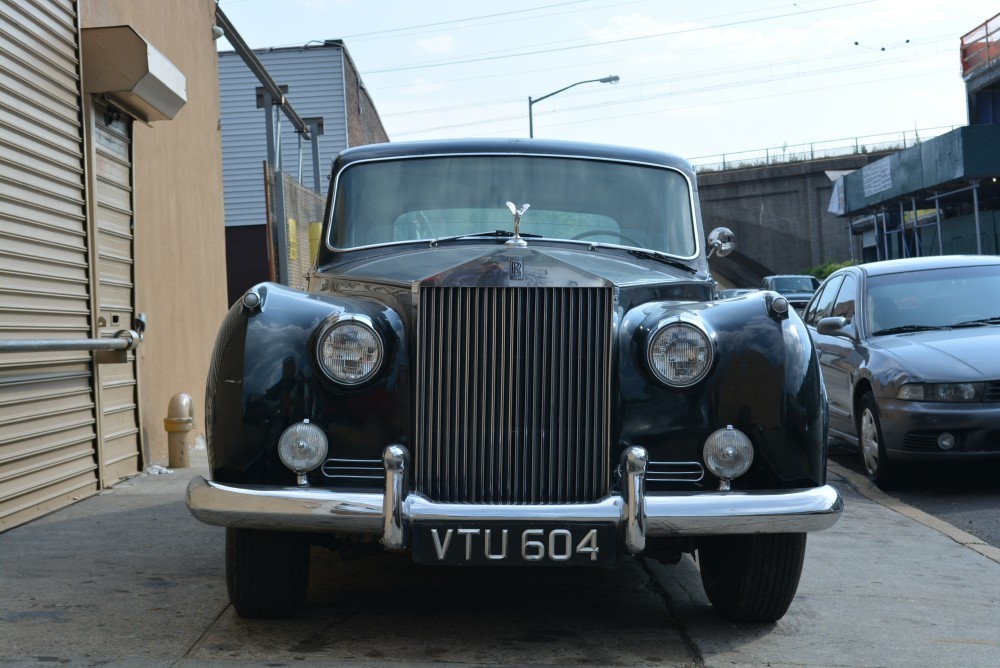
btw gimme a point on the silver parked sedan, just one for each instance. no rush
(910, 355)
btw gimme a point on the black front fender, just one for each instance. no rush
(264, 377)
(764, 381)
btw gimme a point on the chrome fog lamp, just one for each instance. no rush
(679, 353)
(728, 454)
(302, 447)
(350, 351)
(946, 441)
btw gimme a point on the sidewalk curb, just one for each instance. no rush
(867, 488)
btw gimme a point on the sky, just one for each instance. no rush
(703, 80)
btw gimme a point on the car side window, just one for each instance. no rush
(822, 303)
(846, 296)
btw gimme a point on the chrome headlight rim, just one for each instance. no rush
(689, 321)
(341, 320)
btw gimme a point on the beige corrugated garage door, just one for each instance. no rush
(47, 407)
(111, 169)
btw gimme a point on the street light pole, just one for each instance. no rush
(531, 101)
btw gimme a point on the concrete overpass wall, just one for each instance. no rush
(779, 212)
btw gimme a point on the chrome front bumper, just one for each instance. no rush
(392, 513)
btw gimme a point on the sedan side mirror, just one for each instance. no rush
(836, 326)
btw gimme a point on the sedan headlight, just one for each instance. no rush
(939, 391)
(680, 353)
(350, 351)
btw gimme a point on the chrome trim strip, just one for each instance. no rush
(666, 472)
(692, 514)
(419, 508)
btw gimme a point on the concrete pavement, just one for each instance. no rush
(888, 585)
(129, 578)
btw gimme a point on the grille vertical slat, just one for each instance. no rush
(512, 394)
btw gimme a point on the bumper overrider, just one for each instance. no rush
(392, 514)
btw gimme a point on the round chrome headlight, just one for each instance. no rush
(302, 447)
(728, 453)
(350, 351)
(680, 354)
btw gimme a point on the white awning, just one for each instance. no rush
(120, 63)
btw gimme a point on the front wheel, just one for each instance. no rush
(267, 572)
(752, 578)
(872, 444)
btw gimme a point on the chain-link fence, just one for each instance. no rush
(292, 247)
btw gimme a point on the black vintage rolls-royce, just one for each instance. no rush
(509, 353)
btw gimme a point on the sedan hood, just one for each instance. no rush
(968, 354)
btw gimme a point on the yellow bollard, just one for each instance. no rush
(179, 423)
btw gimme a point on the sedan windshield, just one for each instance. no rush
(445, 197)
(932, 299)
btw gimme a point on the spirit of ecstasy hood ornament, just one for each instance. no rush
(516, 241)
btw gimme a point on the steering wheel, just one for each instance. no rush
(423, 226)
(595, 233)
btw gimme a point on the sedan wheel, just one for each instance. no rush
(872, 445)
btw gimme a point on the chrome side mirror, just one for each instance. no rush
(721, 242)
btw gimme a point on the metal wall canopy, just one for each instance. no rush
(119, 63)
(959, 156)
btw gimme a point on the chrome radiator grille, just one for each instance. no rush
(512, 394)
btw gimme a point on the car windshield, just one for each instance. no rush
(594, 201)
(795, 284)
(934, 298)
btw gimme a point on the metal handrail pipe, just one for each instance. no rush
(259, 71)
(126, 339)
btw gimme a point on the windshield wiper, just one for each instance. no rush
(494, 233)
(995, 320)
(652, 255)
(902, 329)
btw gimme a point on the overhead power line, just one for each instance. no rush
(669, 33)
(697, 75)
(463, 20)
(646, 112)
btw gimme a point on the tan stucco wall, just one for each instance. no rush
(180, 256)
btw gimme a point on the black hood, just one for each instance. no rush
(490, 265)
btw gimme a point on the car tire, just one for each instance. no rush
(267, 572)
(752, 578)
(871, 443)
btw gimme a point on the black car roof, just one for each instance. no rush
(510, 146)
